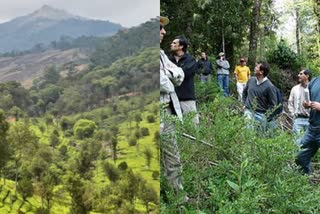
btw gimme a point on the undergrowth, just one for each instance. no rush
(244, 172)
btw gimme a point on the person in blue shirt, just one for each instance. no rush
(310, 141)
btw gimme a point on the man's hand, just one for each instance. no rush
(315, 106)
(306, 104)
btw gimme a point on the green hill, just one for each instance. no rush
(83, 141)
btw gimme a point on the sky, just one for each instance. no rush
(287, 23)
(128, 13)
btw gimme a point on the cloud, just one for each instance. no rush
(125, 12)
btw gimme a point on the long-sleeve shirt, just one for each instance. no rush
(295, 102)
(314, 88)
(170, 76)
(260, 96)
(204, 66)
(223, 67)
(186, 91)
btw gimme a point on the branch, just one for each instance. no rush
(193, 138)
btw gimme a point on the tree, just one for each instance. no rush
(156, 139)
(111, 171)
(148, 195)
(25, 188)
(77, 189)
(24, 144)
(138, 119)
(54, 140)
(84, 128)
(114, 144)
(51, 75)
(148, 155)
(254, 32)
(4, 146)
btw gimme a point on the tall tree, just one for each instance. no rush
(4, 146)
(254, 32)
(24, 143)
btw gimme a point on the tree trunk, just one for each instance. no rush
(21, 205)
(16, 177)
(317, 12)
(222, 37)
(262, 48)
(254, 33)
(298, 31)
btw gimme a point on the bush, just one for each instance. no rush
(41, 210)
(144, 131)
(155, 175)
(84, 128)
(242, 164)
(65, 123)
(284, 57)
(137, 134)
(151, 119)
(123, 165)
(133, 141)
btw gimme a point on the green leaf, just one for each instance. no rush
(234, 186)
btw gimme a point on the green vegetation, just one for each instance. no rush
(244, 171)
(65, 142)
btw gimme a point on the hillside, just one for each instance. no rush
(48, 24)
(26, 68)
(84, 138)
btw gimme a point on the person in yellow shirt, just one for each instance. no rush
(242, 75)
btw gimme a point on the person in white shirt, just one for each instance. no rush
(299, 114)
(170, 77)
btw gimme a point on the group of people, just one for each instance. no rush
(258, 95)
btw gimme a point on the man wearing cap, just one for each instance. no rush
(170, 76)
(186, 92)
(242, 75)
(310, 141)
(295, 105)
(223, 73)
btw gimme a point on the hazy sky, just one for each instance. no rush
(128, 13)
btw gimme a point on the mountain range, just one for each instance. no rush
(49, 24)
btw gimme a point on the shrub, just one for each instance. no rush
(84, 128)
(133, 141)
(65, 123)
(155, 175)
(123, 165)
(144, 131)
(284, 57)
(151, 119)
(137, 134)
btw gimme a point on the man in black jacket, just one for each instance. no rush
(186, 91)
(205, 68)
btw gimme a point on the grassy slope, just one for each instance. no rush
(135, 160)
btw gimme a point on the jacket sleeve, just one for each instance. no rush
(227, 65)
(223, 64)
(165, 83)
(219, 63)
(199, 67)
(170, 74)
(272, 95)
(291, 103)
(190, 68)
(211, 67)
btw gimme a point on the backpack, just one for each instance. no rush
(279, 105)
